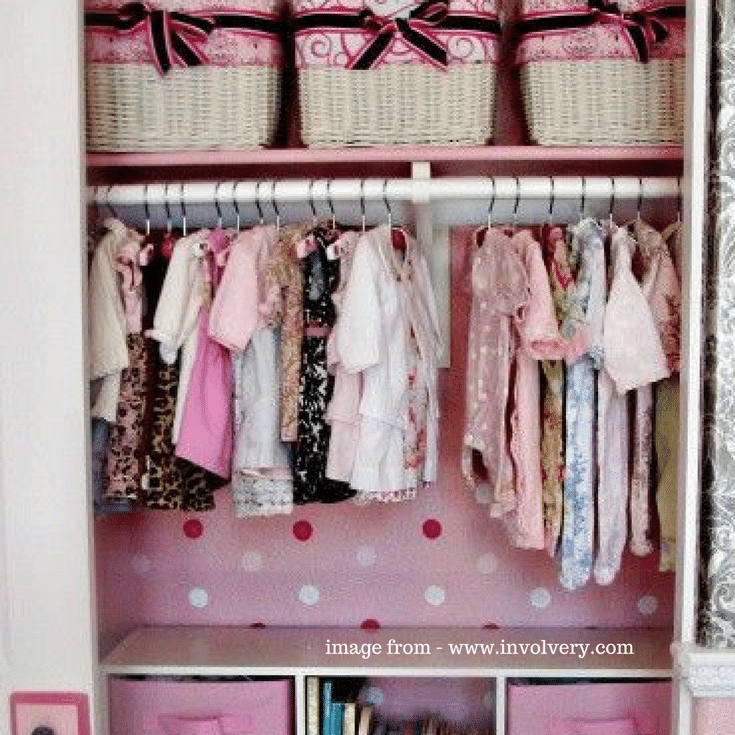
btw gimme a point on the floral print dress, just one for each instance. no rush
(585, 304)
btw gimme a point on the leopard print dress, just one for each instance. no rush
(168, 482)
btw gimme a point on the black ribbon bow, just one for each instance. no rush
(417, 30)
(642, 28)
(174, 36)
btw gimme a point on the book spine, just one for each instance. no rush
(312, 705)
(336, 718)
(327, 708)
(349, 719)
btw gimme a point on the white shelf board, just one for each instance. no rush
(239, 651)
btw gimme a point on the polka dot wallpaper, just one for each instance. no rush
(437, 560)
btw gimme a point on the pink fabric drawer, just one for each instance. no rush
(154, 707)
(589, 709)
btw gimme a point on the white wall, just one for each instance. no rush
(47, 631)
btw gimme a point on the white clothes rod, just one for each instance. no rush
(267, 191)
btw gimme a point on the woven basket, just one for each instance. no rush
(403, 99)
(591, 99)
(231, 100)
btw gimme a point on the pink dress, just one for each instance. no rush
(538, 339)
(205, 437)
(499, 291)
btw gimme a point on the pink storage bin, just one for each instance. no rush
(155, 707)
(590, 709)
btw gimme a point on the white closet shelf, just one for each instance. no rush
(274, 651)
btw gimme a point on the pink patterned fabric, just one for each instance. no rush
(499, 291)
(223, 47)
(333, 47)
(605, 39)
(538, 338)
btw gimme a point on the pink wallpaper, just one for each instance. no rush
(438, 560)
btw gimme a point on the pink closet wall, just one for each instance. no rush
(438, 560)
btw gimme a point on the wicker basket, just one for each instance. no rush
(603, 84)
(224, 92)
(404, 96)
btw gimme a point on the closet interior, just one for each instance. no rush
(228, 617)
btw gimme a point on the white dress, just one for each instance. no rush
(387, 328)
(108, 348)
(177, 311)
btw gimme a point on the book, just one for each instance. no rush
(336, 718)
(312, 705)
(327, 707)
(349, 719)
(364, 719)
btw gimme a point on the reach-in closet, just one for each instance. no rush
(187, 601)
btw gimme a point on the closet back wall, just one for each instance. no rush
(438, 560)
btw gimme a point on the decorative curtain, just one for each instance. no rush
(717, 532)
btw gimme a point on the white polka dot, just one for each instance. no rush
(308, 594)
(647, 605)
(372, 695)
(141, 564)
(487, 564)
(435, 595)
(252, 561)
(482, 495)
(489, 700)
(366, 556)
(540, 598)
(198, 597)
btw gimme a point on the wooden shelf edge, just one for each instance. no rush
(392, 154)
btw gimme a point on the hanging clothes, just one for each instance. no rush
(667, 426)
(108, 354)
(169, 482)
(343, 411)
(660, 285)
(108, 348)
(499, 291)
(177, 311)
(576, 336)
(613, 426)
(585, 304)
(537, 338)
(125, 461)
(633, 358)
(387, 312)
(205, 436)
(284, 307)
(320, 277)
(262, 480)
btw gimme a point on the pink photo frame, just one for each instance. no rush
(66, 713)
